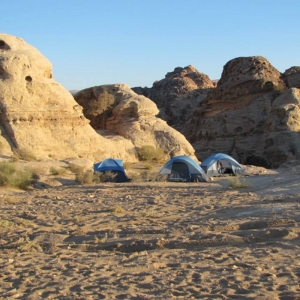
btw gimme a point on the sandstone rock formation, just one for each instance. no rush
(122, 111)
(292, 77)
(178, 94)
(251, 115)
(40, 116)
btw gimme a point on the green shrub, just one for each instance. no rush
(150, 153)
(10, 176)
(57, 171)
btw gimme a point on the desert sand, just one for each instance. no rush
(154, 240)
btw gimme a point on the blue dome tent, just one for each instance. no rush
(113, 165)
(183, 168)
(219, 164)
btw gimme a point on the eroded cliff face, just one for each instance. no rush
(251, 115)
(178, 94)
(40, 116)
(134, 117)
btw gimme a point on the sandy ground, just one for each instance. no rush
(154, 240)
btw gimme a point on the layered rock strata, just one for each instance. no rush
(251, 115)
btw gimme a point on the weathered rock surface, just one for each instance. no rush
(132, 116)
(178, 94)
(40, 116)
(292, 77)
(251, 115)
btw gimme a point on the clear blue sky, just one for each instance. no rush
(96, 42)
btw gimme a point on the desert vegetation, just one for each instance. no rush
(150, 154)
(12, 176)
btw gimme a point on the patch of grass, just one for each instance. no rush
(57, 171)
(6, 223)
(25, 244)
(150, 153)
(117, 209)
(22, 154)
(11, 176)
(75, 168)
(102, 240)
(237, 183)
(149, 167)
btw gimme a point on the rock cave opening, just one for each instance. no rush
(3, 45)
(28, 78)
(257, 161)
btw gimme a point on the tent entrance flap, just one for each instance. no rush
(180, 170)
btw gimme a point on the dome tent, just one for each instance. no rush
(218, 164)
(113, 165)
(183, 168)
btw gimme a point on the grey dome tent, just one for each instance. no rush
(218, 164)
(115, 166)
(183, 168)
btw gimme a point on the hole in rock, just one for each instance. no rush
(28, 78)
(2, 44)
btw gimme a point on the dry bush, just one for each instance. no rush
(22, 154)
(148, 176)
(150, 153)
(84, 177)
(6, 223)
(117, 209)
(11, 176)
(75, 168)
(57, 171)
(106, 176)
(237, 183)
(149, 167)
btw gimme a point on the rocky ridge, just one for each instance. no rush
(178, 94)
(253, 115)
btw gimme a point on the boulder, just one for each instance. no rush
(40, 116)
(133, 117)
(292, 77)
(251, 115)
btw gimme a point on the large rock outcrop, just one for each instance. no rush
(292, 77)
(178, 94)
(38, 115)
(132, 116)
(251, 115)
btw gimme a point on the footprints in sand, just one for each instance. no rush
(177, 241)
